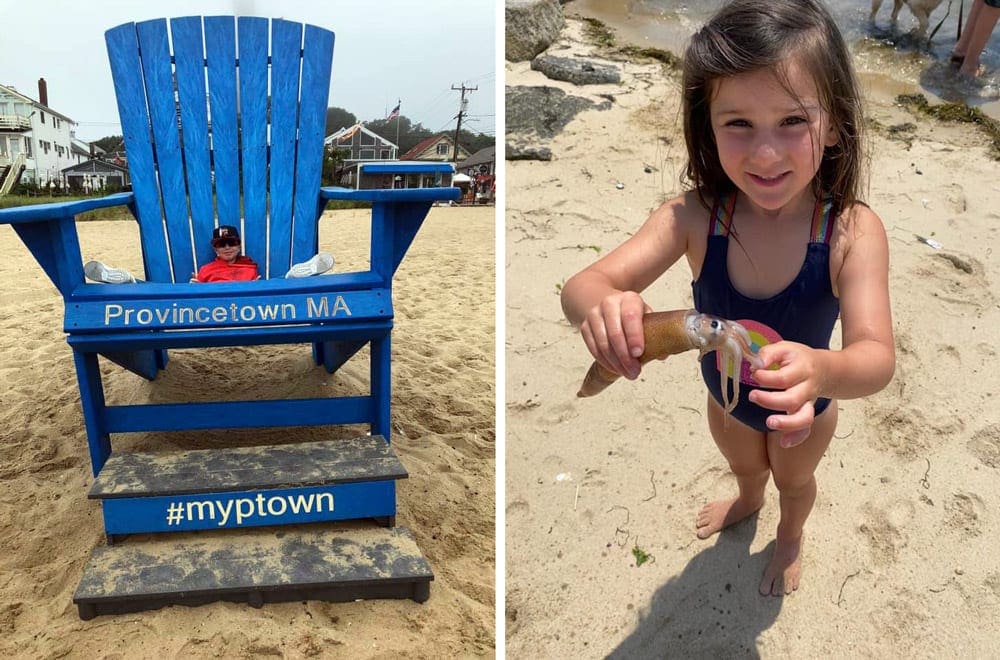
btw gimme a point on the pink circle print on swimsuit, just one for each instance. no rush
(760, 335)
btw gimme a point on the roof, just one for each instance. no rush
(349, 131)
(95, 164)
(485, 155)
(35, 103)
(424, 144)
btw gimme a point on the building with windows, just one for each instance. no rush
(34, 138)
(360, 144)
(436, 147)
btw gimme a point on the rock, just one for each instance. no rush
(536, 114)
(576, 71)
(543, 111)
(530, 27)
(519, 150)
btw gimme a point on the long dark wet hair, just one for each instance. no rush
(750, 35)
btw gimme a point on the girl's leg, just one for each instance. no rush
(746, 451)
(793, 470)
(962, 45)
(978, 36)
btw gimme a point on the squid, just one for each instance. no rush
(677, 331)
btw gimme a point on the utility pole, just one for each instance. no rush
(461, 111)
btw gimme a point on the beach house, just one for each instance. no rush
(36, 142)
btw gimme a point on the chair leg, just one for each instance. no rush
(332, 355)
(381, 392)
(88, 375)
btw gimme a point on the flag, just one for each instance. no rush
(394, 113)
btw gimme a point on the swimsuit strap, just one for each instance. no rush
(722, 215)
(822, 221)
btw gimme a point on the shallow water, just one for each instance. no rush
(889, 59)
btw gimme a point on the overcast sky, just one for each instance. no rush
(384, 50)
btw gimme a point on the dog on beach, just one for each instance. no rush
(921, 9)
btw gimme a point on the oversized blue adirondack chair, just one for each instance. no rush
(224, 121)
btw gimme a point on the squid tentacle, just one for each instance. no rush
(677, 331)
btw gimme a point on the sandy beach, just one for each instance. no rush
(900, 553)
(444, 434)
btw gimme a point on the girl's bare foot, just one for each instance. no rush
(782, 573)
(716, 516)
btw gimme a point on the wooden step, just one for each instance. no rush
(248, 486)
(253, 566)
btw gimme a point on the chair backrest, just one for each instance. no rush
(224, 121)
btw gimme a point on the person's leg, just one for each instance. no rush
(980, 34)
(962, 45)
(320, 263)
(99, 272)
(746, 451)
(793, 470)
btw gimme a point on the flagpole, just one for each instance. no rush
(399, 103)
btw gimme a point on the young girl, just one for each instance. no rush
(776, 238)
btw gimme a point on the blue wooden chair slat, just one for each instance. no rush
(160, 98)
(317, 58)
(189, 58)
(126, 71)
(286, 38)
(220, 51)
(253, 53)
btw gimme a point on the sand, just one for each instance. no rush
(900, 553)
(444, 434)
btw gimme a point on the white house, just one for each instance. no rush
(34, 134)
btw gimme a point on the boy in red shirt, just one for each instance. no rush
(229, 265)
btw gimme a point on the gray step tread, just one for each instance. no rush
(258, 566)
(328, 462)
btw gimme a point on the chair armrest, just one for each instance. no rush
(390, 195)
(56, 210)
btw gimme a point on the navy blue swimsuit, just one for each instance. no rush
(804, 312)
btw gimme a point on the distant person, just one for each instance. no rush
(229, 264)
(978, 28)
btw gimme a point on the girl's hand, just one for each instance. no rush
(613, 333)
(798, 382)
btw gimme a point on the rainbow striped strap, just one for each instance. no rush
(822, 221)
(722, 215)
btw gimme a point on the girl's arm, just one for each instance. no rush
(603, 299)
(867, 360)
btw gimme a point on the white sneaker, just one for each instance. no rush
(321, 263)
(98, 272)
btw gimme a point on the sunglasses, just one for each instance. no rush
(226, 242)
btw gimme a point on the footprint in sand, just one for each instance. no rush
(883, 527)
(965, 513)
(956, 279)
(901, 431)
(985, 445)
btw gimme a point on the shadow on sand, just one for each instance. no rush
(712, 609)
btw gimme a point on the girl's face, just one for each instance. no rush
(770, 139)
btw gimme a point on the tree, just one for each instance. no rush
(332, 160)
(111, 143)
(338, 118)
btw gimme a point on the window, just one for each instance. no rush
(384, 154)
(367, 154)
(42, 115)
(443, 148)
(27, 147)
